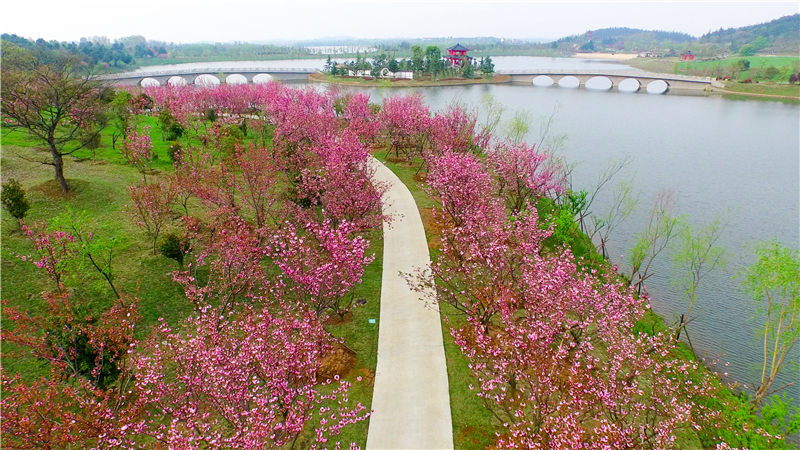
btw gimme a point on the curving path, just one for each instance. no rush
(411, 401)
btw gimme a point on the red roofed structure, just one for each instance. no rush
(457, 54)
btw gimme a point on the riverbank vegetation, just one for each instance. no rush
(479, 273)
(400, 82)
(209, 275)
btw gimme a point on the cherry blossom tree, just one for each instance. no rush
(151, 207)
(138, 150)
(246, 382)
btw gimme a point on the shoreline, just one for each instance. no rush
(611, 56)
(382, 83)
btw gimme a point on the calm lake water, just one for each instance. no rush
(721, 156)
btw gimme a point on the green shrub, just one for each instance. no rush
(13, 199)
(743, 64)
(771, 72)
(173, 247)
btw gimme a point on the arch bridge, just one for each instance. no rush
(231, 75)
(640, 80)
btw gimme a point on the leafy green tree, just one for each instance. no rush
(698, 253)
(13, 199)
(330, 66)
(417, 59)
(760, 43)
(394, 66)
(487, 66)
(743, 64)
(51, 98)
(747, 50)
(774, 282)
(771, 72)
(468, 71)
(433, 59)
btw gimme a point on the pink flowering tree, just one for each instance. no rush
(151, 207)
(524, 174)
(137, 149)
(321, 263)
(405, 124)
(246, 382)
(231, 251)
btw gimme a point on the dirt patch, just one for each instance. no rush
(433, 228)
(52, 188)
(336, 319)
(367, 376)
(396, 160)
(340, 360)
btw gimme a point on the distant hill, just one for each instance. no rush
(631, 39)
(781, 35)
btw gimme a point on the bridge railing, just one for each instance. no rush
(207, 70)
(613, 73)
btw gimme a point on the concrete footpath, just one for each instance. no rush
(411, 401)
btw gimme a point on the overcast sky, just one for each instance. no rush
(236, 20)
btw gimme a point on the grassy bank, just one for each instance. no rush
(400, 83)
(765, 89)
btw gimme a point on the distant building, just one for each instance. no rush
(407, 74)
(457, 54)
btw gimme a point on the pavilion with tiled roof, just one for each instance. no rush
(457, 54)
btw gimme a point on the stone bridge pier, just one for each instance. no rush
(223, 75)
(672, 81)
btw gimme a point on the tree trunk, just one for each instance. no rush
(58, 163)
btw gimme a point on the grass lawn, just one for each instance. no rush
(100, 183)
(765, 88)
(656, 65)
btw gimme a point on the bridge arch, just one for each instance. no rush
(599, 83)
(263, 78)
(542, 81)
(177, 81)
(206, 80)
(149, 82)
(629, 85)
(236, 78)
(657, 87)
(569, 81)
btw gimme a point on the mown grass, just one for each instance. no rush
(765, 88)
(100, 181)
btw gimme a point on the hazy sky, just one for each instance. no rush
(238, 20)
